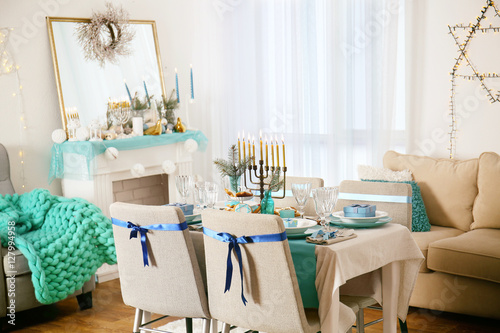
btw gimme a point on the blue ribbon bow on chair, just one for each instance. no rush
(144, 230)
(233, 244)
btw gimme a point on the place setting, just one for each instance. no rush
(360, 216)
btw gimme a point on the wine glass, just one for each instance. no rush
(200, 194)
(325, 199)
(301, 193)
(184, 185)
(211, 192)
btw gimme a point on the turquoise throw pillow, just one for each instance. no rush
(419, 220)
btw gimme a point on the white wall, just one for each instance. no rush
(176, 23)
(431, 52)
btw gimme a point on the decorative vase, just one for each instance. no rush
(267, 203)
(234, 183)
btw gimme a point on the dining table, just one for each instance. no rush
(381, 263)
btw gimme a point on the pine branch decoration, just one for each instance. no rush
(231, 167)
(275, 184)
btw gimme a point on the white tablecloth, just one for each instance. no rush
(370, 251)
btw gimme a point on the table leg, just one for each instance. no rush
(390, 293)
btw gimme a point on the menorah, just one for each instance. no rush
(257, 174)
(120, 113)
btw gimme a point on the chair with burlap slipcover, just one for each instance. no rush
(169, 282)
(270, 283)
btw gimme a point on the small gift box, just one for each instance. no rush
(287, 213)
(290, 223)
(357, 210)
(187, 209)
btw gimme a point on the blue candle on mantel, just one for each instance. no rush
(128, 92)
(192, 87)
(177, 86)
(147, 95)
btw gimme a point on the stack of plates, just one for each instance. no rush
(380, 218)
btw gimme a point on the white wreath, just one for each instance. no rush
(107, 36)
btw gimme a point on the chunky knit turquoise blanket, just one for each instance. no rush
(64, 240)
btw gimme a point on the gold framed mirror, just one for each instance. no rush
(86, 86)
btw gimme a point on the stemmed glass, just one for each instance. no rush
(325, 199)
(301, 193)
(211, 192)
(200, 194)
(184, 185)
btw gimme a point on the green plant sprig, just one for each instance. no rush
(232, 167)
(276, 183)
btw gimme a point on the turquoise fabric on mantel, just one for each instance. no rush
(90, 149)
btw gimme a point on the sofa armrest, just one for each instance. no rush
(380, 194)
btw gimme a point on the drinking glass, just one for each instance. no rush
(325, 199)
(212, 192)
(184, 186)
(200, 194)
(301, 193)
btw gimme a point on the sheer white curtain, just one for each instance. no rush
(327, 74)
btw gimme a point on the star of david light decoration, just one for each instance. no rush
(471, 29)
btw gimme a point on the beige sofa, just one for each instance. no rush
(461, 271)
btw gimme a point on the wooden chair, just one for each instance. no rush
(380, 193)
(172, 284)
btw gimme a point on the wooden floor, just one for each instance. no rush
(109, 314)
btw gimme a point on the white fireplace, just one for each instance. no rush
(98, 187)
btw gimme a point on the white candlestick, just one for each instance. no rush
(138, 126)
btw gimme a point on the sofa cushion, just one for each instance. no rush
(486, 209)
(448, 187)
(474, 254)
(423, 239)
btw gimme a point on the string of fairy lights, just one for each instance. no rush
(8, 66)
(473, 29)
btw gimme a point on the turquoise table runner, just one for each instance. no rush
(90, 149)
(304, 260)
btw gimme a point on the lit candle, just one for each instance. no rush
(146, 90)
(260, 138)
(177, 86)
(249, 149)
(253, 149)
(239, 148)
(277, 151)
(272, 151)
(192, 86)
(283, 142)
(244, 152)
(128, 91)
(267, 154)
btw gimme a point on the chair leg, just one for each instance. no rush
(360, 321)
(402, 326)
(146, 318)
(85, 300)
(225, 328)
(137, 320)
(213, 326)
(189, 325)
(206, 326)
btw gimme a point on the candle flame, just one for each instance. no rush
(175, 70)
(276, 138)
(253, 139)
(266, 138)
(260, 134)
(282, 139)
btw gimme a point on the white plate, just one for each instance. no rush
(378, 215)
(302, 225)
(222, 204)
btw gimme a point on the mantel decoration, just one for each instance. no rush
(471, 31)
(107, 36)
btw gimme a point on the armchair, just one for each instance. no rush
(16, 264)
